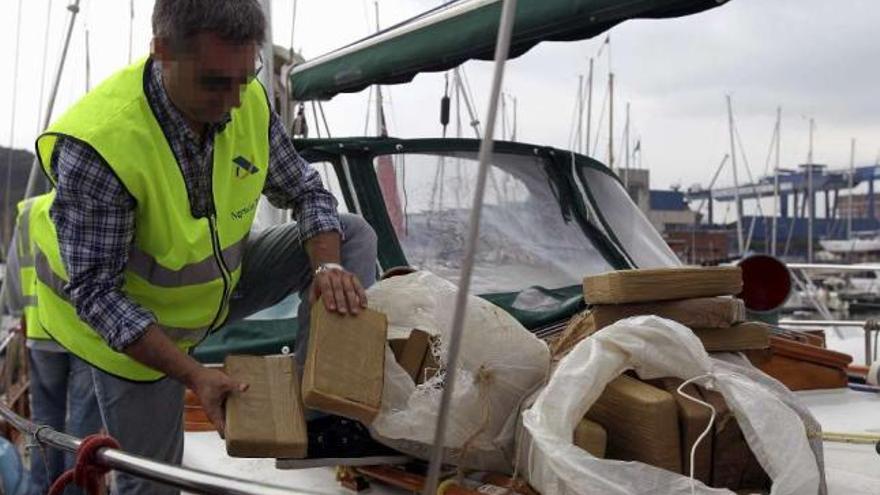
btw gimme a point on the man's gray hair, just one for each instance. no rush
(232, 20)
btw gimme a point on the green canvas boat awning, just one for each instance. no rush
(464, 30)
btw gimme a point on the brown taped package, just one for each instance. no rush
(742, 337)
(703, 312)
(693, 419)
(592, 437)
(734, 466)
(267, 419)
(345, 364)
(412, 356)
(662, 284)
(641, 422)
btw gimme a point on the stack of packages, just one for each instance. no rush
(344, 374)
(649, 421)
(698, 298)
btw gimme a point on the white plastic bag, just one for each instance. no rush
(655, 348)
(499, 363)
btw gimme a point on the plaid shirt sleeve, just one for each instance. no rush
(94, 216)
(292, 183)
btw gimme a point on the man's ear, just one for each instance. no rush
(160, 49)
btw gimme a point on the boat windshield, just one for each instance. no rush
(525, 240)
(624, 221)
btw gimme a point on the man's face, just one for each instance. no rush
(207, 78)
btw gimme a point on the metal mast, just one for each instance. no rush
(852, 173)
(776, 184)
(739, 229)
(610, 118)
(589, 108)
(626, 148)
(35, 166)
(812, 209)
(8, 209)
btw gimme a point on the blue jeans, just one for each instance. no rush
(63, 397)
(147, 418)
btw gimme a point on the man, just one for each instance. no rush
(61, 391)
(158, 172)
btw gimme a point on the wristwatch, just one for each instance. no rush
(325, 267)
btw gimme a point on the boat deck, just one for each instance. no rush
(849, 468)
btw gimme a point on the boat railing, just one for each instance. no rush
(191, 480)
(866, 267)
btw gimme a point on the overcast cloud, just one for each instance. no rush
(814, 58)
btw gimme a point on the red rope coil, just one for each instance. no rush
(88, 472)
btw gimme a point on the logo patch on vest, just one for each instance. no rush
(244, 168)
(242, 213)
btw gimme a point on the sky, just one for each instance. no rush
(813, 58)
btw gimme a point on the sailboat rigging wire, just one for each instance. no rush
(748, 167)
(35, 166)
(369, 109)
(88, 62)
(73, 8)
(324, 119)
(572, 125)
(714, 178)
(405, 194)
(7, 208)
(317, 123)
(599, 123)
(791, 225)
(293, 28)
(773, 139)
(469, 99)
(130, 28)
(502, 49)
(45, 61)
(367, 17)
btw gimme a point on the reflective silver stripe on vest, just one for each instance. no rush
(29, 301)
(146, 267)
(48, 277)
(56, 283)
(25, 253)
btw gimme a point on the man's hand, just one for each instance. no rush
(212, 387)
(340, 290)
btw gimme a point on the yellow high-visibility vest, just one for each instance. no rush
(181, 268)
(28, 273)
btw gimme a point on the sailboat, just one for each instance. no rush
(551, 216)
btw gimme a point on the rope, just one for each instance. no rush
(681, 392)
(88, 471)
(34, 443)
(483, 379)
